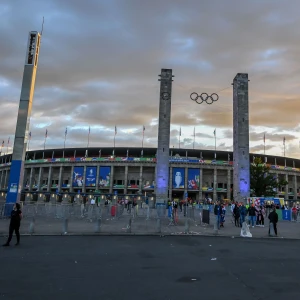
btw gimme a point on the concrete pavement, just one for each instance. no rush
(187, 267)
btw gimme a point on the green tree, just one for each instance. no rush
(262, 182)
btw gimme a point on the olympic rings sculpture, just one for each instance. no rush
(204, 97)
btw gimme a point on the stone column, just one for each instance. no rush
(71, 180)
(5, 179)
(200, 184)
(295, 187)
(286, 194)
(1, 178)
(170, 182)
(228, 183)
(111, 183)
(49, 179)
(40, 179)
(60, 178)
(97, 177)
(126, 179)
(141, 180)
(215, 196)
(30, 178)
(84, 176)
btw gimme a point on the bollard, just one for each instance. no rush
(128, 229)
(158, 225)
(31, 226)
(65, 225)
(187, 226)
(98, 225)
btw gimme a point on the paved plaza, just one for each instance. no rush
(140, 224)
(149, 267)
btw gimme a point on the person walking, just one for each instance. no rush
(218, 212)
(15, 222)
(273, 217)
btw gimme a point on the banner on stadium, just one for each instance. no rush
(178, 178)
(193, 179)
(90, 177)
(78, 177)
(104, 176)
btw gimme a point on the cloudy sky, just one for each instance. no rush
(100, 59)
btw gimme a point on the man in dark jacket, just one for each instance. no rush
(273, 217)
(217, 212)
(252, 214)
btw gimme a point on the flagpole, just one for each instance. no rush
(88, 143)
(45, 142)
(284, 146)
(179, 138)
(215, 144)
(7, 145)
(194, 139)
(143, 137)
(66, 132)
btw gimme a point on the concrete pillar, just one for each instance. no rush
(97, 177)
(170, 182)
(30, 178)
(40, 178)
(71, 180)
(241, 158)
(163, 149)
(5, 179)
(215, 196)
(60, 178)
(295, 187)
(126, 179)
(185, 180)
(84, 176)
(141, 180)
(49, 179)
(23, 120)
(228, 183)
(111, 183)
(1, 179)
(200, 184)
(286, 194)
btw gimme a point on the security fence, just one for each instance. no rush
(53, 218)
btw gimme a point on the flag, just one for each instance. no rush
(46, 134)
(66, 132)
(143, 128)
(8, 141)
(215, 132)
(264, 138)
(284, 141)
(89, 129)
(30, 135)
(180, 131)
(115, 130)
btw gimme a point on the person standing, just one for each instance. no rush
(218, 212)
(15, 222)
(243, 213)
(273, 217)
(236, 213)
(252, 214)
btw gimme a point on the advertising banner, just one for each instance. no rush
(90, 178)
(193, 179)
(178, 178)
(78, 177)
(104, 177)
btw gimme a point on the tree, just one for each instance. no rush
(262, 182)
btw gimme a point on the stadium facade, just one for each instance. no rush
(125, 171)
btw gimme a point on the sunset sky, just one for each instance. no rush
(100, 59)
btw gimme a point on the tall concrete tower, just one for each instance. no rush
(162, 163)
(21, 135)
(241, 159)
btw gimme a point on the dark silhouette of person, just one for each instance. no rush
(273, 217)
(15, 222)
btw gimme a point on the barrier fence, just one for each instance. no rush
(110, 218)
